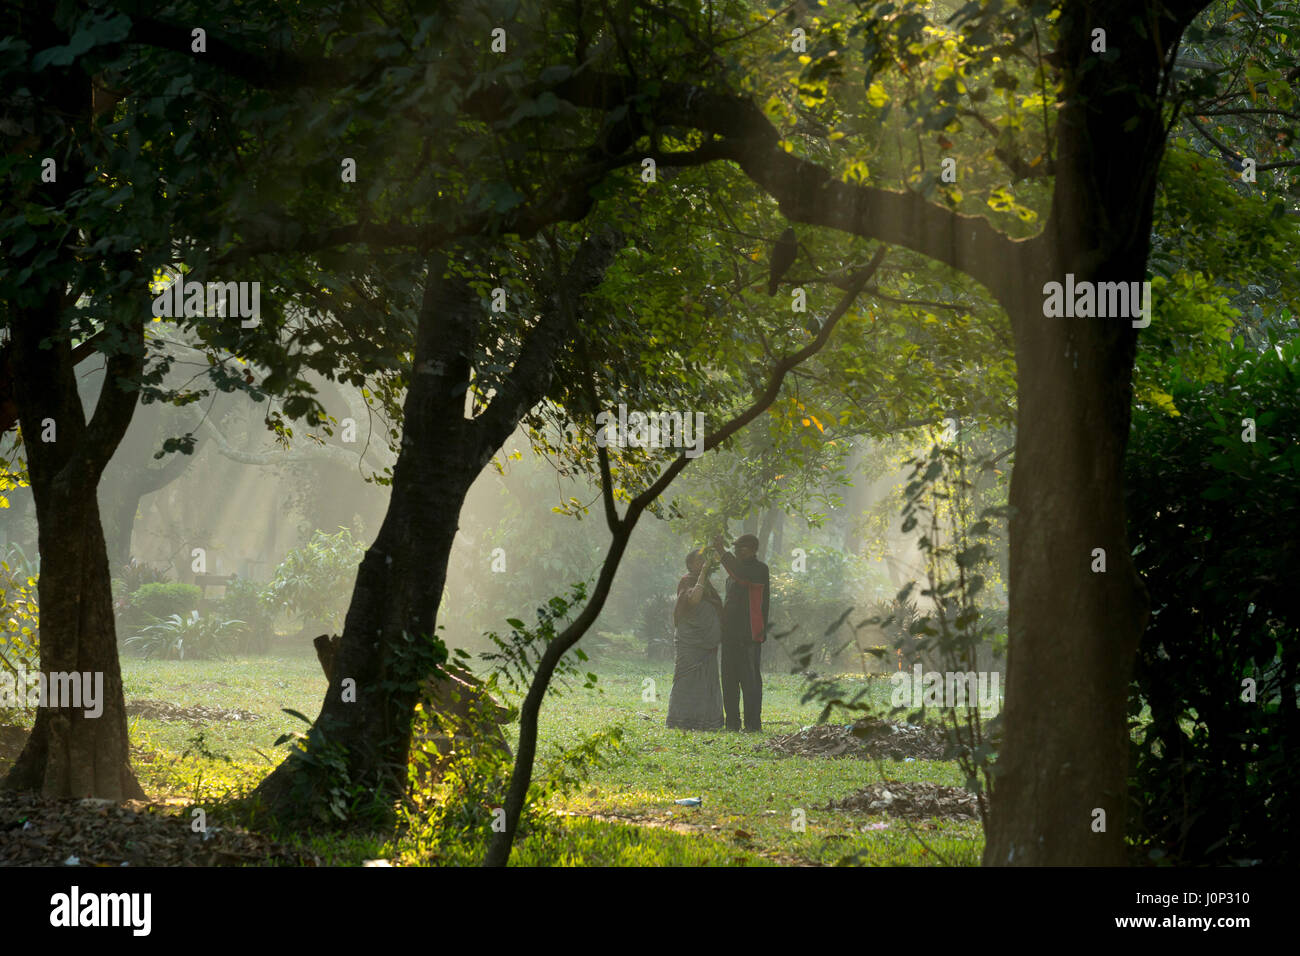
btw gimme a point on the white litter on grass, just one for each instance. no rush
(72, 861)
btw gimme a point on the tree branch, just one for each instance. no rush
(805, 191)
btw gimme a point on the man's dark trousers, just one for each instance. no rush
(741, 675)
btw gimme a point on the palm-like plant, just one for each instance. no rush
(191, 636)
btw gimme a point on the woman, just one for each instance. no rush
(696, 699)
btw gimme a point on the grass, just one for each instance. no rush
(624, 813)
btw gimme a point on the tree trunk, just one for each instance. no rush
(388, 644)
(1074, 630)
(70, 754)
(765, 531)
(119, 510)
(1073, 633)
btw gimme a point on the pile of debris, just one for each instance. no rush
(916, 800)
(868, 738)
(198, 714)
(38, 831)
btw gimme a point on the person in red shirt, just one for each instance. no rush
(744, 629)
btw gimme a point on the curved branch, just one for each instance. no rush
(805, 191)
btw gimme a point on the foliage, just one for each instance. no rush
(19, 620)
(515, 659)
(247, 602)
(895, 618)
(137, 574)
(162, 599)
(656, 629)
(956, 544)
(948, 625)
(187, 637)
(315, 581)
(1215, 523)
(129, 580)
(322, 777)
(343, 801)
(808, 601)
(19, 563)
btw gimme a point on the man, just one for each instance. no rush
(744, 629)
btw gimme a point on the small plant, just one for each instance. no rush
(19, 563)
(192, 637)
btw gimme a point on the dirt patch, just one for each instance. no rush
(867, 739)
(914, 800)
(36, 831)
(198, 714)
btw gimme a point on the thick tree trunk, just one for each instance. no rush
(119, 511)
(70, 754)
(387, 648)
(1073, 632)
(1074, 629)
(388, 644)
(361, 742)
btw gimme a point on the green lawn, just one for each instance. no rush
(749, 794)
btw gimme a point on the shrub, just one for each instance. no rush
(159, 600)
(315, 581)
(248, 602)
(137, 574)
(1215, 523)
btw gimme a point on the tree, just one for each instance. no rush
(1073, 633)
(85, 202)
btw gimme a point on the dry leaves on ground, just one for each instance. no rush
(914, 800)
(868, 738)
(37, 831)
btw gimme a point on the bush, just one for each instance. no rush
(315, 582)
(136, 574)
(1215, 524)
(160, 600)
(247, 602)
